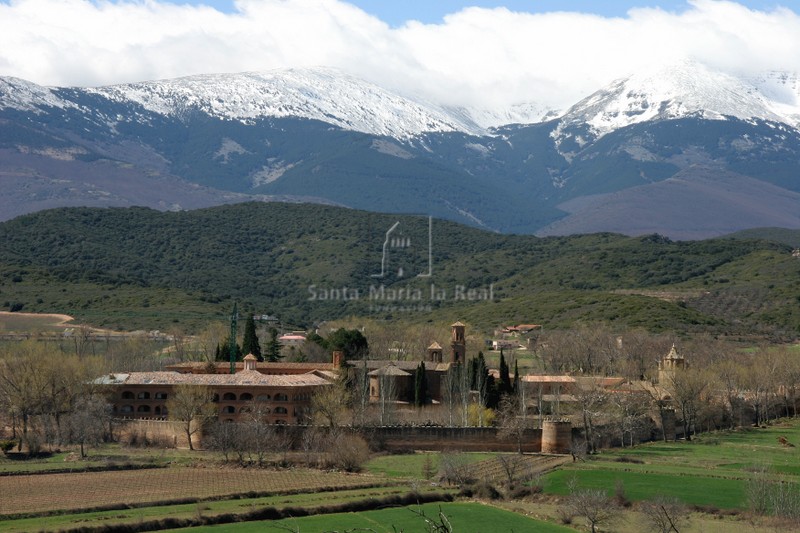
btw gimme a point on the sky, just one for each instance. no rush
(482, 53)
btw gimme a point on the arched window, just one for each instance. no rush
(161, 396)
(143, 409)
(229, 396)
(245, 409)
(127, 395)
(263, 397)
(280, 397)
(245, 396)
(280, 411)
(215, 399)
(144, 395)
(164, 411)
(158, 410)
(126, 409)
(229, 409)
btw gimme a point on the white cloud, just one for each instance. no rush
(476, 56)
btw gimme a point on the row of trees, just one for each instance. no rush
(51, 399)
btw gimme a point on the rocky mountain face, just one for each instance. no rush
(682, 150)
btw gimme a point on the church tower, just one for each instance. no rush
(458, 343)
(671, 363)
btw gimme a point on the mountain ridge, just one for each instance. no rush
(318, 133)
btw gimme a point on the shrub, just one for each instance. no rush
(6, 445)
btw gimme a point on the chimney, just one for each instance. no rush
(338, 358)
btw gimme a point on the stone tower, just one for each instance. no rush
(671, 363)
(458, 343)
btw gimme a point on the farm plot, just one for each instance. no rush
(55, 492)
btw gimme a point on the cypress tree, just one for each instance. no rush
(250, 342)
(516, 376)
(273, 347)
(505, 386)
(420, 385)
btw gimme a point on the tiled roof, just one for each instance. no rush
(389, 370)
(533, 378)
(274, 368)
(243, 378)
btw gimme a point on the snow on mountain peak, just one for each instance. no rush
(23, 95)
(316, 93)
(678, 90)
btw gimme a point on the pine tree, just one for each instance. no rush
(250, 343)
(273, 351)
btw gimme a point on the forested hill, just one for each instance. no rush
(136, 267)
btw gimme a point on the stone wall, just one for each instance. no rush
(160, 432)
(435, 438)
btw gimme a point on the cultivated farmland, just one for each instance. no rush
(52, 492)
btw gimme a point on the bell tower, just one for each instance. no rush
(458, 343)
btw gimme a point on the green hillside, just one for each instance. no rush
(140, 268)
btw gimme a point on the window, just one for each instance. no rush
(144, 395)
(229, 396)
(229, 409)
(280, 422)
(143, 409)
(127, 395)
(245, 409)
(126, 409)
(280, 411)
(246, 396)
(263, 397)
(161, 396)
(281, 397)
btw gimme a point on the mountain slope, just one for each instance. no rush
(142, 268)
(324, 135)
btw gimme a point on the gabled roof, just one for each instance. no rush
(435, 346)
(389, 370)
(458, 324)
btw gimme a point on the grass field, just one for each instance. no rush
(60, 522)
(711, 471)
(464, 517)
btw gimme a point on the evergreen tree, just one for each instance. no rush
(420, 385)
(273, 351)
(505, 386)
(250, 342)
(516, 377)
(223, 354)
(351, 341)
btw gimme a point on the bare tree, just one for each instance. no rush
(191, 404)
(329, 404)
(591, 399)
(686, 388)
(665, 514)
(89, 421)
(511, 421)
(593, 505)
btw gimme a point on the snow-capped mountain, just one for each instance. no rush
(322, 135)
(322, 94)
(680, 90)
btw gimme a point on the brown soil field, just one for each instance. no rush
(32, 322)
(53, 492)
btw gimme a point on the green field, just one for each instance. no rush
(710, 471)
(464, 517)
